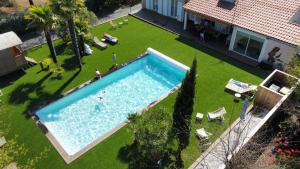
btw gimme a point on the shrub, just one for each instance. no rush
(96, 5)
(13, 22)
(6, 3)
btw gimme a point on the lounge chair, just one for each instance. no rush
(217, 114)
(110, 38)
(2, 141)
(199, 117)
(113, 25)
(240, 87)
(120, 24)
(99, 43)
(202, 134)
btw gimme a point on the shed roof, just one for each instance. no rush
(269, 17)
(9, 39)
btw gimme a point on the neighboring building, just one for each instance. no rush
(170, 8)
(11, 56)
(262, 30)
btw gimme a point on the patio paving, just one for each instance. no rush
(236, 136)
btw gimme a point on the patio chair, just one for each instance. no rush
(199, 117)
(113, 25)
(240, 87)
(202, 134)
(99, 43)
(125, 21)
(217, 114)
(12, 165)
(2, 141)
(110, 39)
(120, 24)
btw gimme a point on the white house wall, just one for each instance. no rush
(286, 51)
(164, 8)
(160, 6)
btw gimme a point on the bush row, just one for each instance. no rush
(6, 3)
(98, 6)
(13, 22)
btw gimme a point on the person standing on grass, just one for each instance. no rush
(98, 74)
(115, 58)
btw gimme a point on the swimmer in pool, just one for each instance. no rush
(101, 95)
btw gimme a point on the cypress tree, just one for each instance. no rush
(183, 107)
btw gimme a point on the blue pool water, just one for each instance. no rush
(80, 118)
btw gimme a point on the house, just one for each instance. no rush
(11, 55)
(170, 8)
(261, 30)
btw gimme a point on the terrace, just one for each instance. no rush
(24, 93)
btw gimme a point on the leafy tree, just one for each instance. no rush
(150, 138)
(13, 152)
(42, 17)
(183, 107)
(68, 9)
(294, 69)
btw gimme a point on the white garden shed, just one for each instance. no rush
(11, 55)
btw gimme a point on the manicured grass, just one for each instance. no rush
(23, 93)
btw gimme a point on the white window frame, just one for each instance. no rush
(250, 33)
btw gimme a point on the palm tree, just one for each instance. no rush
(41, 17)
(31, 2)
(68, 9)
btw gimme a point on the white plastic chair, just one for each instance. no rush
(201, 133)
(2, 141)
(199, 116)
(217, 114)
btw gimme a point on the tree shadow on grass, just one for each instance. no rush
(23, 94)
(129, 154)
(60, 49)
(70, 64)
(10, 78)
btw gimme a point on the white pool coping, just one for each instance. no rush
(69, 158)
(168, 59)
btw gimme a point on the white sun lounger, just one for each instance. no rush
(217, 114)
(239, 87)
(99, 43)
(201, 133)
(2, 141)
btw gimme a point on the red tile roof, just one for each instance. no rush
(268, 17)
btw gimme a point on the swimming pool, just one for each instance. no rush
(80, 118)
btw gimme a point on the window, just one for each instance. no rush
(174, 8)
(296, 18)
(155, 5)
(248, 45)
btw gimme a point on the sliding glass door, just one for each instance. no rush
(248, 45)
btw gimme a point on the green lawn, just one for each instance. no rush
(35, 88)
